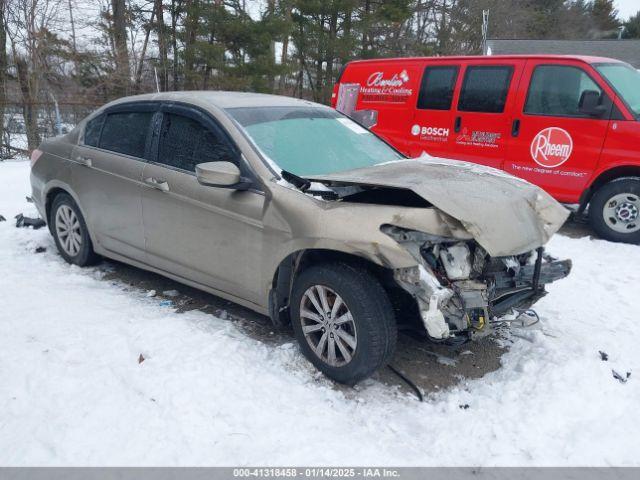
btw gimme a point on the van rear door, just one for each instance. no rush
(431, 130)
(555, 144)
(482, 122)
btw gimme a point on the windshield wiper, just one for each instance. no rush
(300, 183)
(304, 186)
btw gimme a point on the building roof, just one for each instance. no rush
(624, 50)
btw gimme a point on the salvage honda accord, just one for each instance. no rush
(297, 212)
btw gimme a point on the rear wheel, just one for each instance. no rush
(614, 211)
(70, 232)
(343, 321)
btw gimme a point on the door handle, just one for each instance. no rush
(457, 124)
(86, 161)
(157, 183)
(515, 128)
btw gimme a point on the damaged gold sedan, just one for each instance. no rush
(297, 212)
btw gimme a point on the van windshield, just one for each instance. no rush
(626, 82)
(312, 140)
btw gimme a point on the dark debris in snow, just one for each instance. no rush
(603, 356)
(619, 377)
(22, 221)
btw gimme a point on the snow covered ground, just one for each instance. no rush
(72, 390)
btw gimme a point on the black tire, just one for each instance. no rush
(85, 255)
(370, 309)
(601, 198)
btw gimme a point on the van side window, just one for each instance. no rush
(557, 90)
(436, 89)
(92, 131)
(126, 132)
(485, 89)
(185, 142)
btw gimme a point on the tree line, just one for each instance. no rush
(80, 54)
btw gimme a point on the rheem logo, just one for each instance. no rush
(551, 147)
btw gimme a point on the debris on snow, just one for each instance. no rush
(603, 356)
(41, 249)
(140, 359)
(171, 293)
(151, 293)
(166, 303)
(2, 219)
(619, 377)
(464, 406)
(22, 221)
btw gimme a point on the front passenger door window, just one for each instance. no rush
(185, 142)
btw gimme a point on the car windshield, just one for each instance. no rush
(312, 140)
(626, 81)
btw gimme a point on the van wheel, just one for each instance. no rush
(614, 211)
(70, 232)
(343, 321)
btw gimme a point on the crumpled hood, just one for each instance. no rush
(505, 214)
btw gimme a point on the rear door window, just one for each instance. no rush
(557, 89)
(185, 142)
(126, 132)
(436, 89)
(485, 89)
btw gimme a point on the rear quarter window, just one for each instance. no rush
(92, 131)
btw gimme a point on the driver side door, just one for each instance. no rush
(208, 235)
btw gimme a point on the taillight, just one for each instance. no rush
(35, 155)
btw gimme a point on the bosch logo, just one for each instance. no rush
(431, 131)
(551, 147)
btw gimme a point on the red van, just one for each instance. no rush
(568, 124)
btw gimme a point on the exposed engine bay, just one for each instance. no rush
(461, 290)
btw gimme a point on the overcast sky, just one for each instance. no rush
(627, 8)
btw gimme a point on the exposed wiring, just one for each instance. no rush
(408, 381)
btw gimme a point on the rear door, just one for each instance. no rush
(482, 120)
(431, 130)
(553, 144)
(108, 177)
(209, 235)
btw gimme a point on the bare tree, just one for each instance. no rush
(123, 67)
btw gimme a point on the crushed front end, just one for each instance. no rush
(461, 291)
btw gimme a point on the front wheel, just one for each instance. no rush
(343, 321)
(614, 211)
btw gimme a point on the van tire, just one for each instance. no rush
(83, 255)
(373, 320)
(610, 205)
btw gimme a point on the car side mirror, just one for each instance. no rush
(222, 175)
(590, 104)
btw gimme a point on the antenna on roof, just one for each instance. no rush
(485, 30)
(155, 72)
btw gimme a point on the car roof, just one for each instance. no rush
(219, 99)
(492, 58)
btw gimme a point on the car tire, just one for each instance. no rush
(70, 232)
(614, 211)
(362, 328)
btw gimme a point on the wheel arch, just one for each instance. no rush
(296, 262)
(615, 173)
(57, 188)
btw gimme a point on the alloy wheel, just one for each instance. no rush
(328, 326)
(68, 230)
